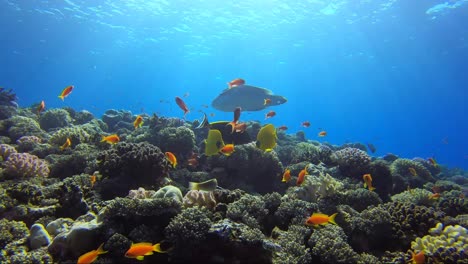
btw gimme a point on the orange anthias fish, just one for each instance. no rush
(172, 158)
(301, 176)
(286, 176)
(240, 128)
(65, 145)
(182, 105)
(235, 82)
(270, 114)
(93, 180)
(305, 124)
(418, 258)
(41, 107)
(140, 250)
(266, 101)
(317, 219)
(112, 139)
(91, 256)
(412, 171)
(227, 150)
(434, 196)
(233, 123)
(192, 162)
(138, 122)
(66, 92)
(283, 128)
(322, 133)
(368, 181)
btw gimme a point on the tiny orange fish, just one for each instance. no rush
(233, 123)
(192, 162)
(91, 256)
(434, 196)
(286, 176)
(182, 105)
(283, 128)
(235, 82)
(172, 158)
(317, 219)
(112, 139)
(227, 149)
(266, 101)
(322, 133)
(138, 122)
(418, 258)
(301, 176)
(66, 92)
(270, 114)
(412, 171)
(93, 180)
(140, 250)
(305, 124)
(67, 144)
(41, 107)
(436, 189)
(368, 181)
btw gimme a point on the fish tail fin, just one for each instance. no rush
(193, 185)
(372, 188)
(103, 139)
(365, 185)
(61, 97)
(157, 248)
(229, 86)
(100, 250)
(332, 218)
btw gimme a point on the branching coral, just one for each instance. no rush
(26, 165)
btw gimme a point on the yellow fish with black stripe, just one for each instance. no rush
(266, 138)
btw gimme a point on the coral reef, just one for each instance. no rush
(402, 167)
(130, 165)
(54, 118)
(6, 150)
(179, 140)
(449, 244)
(169, 191)
(88, 133)
(26, 165)
(19, 126)
(352, 162)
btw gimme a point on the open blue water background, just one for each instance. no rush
(393, 73)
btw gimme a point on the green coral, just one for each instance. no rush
(415, 196)
(190, 227)
(402, 167)
(361, 198)
(169, 191)
(293, 211)
(11, 231)
(55, 118)
(449, 244)
(305, 151)
(87, 133)
(179, 140)
(18, 126)
(293, 248)
(249, 210)
(330, 245)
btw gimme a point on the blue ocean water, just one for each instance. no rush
(392, 73)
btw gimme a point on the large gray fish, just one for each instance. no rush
(249, 98)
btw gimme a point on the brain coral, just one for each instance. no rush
(129, 166)
(6, 150)
(26, 165)
(352, 162)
